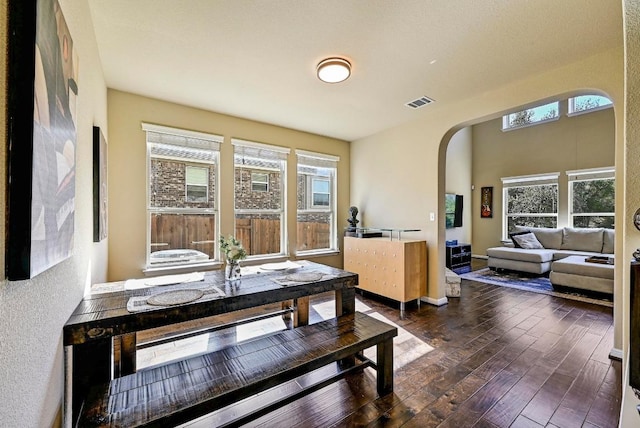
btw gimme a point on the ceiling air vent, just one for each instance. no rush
(420, 102)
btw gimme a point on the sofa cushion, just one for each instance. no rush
(577, 265)
(582, 239)
(608, 241)
(561, 254)
(515, 243)
(548, 237)
(520, 254)
(528, 241)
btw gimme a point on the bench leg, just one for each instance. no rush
(384, 363)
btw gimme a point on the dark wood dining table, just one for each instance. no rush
(100, 335)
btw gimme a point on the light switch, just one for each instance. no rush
(432, 216)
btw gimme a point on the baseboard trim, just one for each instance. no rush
(478, 256)
(615, 354)
(436, 302)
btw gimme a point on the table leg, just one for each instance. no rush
(124, 354)
(301, 311)
(286, 305)
(345, 301)
(91, 365)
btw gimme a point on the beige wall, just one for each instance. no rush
(33, 312)
(459, 181)
(630, 158)
(127, 172)
(569, 143)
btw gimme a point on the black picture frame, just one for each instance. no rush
(41, 98)
(100, 185)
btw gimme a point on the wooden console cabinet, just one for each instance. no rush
(396, 269)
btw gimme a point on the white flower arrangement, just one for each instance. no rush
(232, 249)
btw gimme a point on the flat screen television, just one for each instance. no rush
(453, 210)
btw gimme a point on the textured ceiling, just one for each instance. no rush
(256, 59)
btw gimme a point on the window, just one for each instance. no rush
(588, 103)
(592, 197)
(321, 193)
(259, 182)
(530, 201)
(259, 190)
(197, 181)
(540, 114)
(181, 196)
(316, 202)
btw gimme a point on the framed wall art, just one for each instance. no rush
(99, 185)
(42, 125)
(486, 202)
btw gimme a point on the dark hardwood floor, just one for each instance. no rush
(494, 357)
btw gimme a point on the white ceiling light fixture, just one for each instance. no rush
(334, 70)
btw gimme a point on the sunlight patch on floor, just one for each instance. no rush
(407, 347)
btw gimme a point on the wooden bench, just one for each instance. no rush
(181, 391)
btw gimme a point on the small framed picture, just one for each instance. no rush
(486, 202)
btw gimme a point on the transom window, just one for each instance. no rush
(182, 196)
(592, 197)
(534, 115)
(316, 202)
(259, 205)
(530, 201)
(588, 103)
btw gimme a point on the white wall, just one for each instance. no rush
(33, 312)
(458, 181)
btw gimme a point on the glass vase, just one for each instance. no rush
(232, 270)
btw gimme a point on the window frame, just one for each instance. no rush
(591, 174)
(189, 139)
(273, 153)
(307, 159)
(527, 181)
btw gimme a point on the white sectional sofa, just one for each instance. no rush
(553, 244)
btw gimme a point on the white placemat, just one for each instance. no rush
(301, 278)
(140, 303)
(135, 284)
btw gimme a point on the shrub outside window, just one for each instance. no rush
(531, 116)
(260, 214)
(316, 203)
(530, 201)
(181, 196)
(592, 198)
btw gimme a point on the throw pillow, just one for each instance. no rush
(515, 243)
(528, 241)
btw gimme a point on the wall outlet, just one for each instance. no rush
(432, 216)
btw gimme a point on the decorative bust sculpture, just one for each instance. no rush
(353, 221)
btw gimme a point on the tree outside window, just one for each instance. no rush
(593, 203)
(533, 206)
